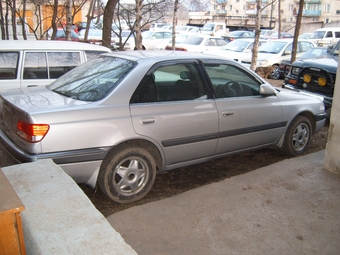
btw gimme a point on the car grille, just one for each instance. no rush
(313, 86)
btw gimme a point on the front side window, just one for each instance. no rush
(231, 81)
(8, 65)
(94, 80)
(35, 66)
(174, 82)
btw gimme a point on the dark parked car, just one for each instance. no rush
(120, 119)
(315, 76)
(283, 35)
(311, 53)
(239, 34)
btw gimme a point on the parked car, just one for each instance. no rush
(239, 34)
(158, 26)
(61, 35)
(180, 38)
(325, 36)
(235, 49)
(199, 43)
(266, 33)
(120, 119)
(309, 54)
(83, 24)
(315, 76)
(126, 38)
(305, 36)
(273, 52)
(95, 36)
(42, 62)
(283, 36)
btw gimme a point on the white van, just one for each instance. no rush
(325, 36)
(38, 63)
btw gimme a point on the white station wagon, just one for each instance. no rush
(119, 119)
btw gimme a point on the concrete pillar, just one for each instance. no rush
(332, 158)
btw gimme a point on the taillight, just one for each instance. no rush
(32, 132)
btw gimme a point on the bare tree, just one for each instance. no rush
(259, 9)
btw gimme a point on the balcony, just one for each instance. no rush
(309, 13)
(220, 12)
(309, 1)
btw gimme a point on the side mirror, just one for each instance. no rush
(288, 53)
(267, 90)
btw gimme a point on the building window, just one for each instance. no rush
(230, 7)
(337, 12)
(327, 7)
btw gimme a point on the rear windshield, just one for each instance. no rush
(93, 80)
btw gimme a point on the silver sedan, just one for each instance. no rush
(118, 120)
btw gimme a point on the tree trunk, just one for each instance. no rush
(23, 21)
(257, 35)
(279, 17)
(14, 21)
(297, 30)
(107, 22)
(174, 24)
(2, 25)
(138, 38)
(54, 19)
(68, 20)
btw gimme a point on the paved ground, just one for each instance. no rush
(291, 207)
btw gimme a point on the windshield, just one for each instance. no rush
(237, 46)
(317, 35)
(272, 47)
(93, 80)
(208, 27)
(335, 50)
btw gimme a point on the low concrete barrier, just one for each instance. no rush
(58, 217)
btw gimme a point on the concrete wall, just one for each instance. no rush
(332, 159)
(58, 217)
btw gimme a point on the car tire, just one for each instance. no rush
(127, 174)
(297, 137)
(275, 75)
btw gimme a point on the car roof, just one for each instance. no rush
(7, 45)
(160, 55)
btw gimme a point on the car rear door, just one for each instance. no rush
(247, 119)
(171, 108)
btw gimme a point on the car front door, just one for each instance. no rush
(247, 120)
(171, 107)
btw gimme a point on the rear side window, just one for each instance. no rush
(8, 65)
(93, 54)
(50, 65)
(337, 34)
(61, 62)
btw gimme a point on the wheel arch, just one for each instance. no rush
(144, 144)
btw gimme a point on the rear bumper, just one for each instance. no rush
(59, 157)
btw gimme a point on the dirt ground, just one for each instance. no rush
(187, 178)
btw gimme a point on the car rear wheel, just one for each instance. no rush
(297, 136)
(276, 72)
(127, 174)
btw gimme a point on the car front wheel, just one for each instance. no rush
(297, 137)
(127, 175)
(276, 72)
